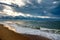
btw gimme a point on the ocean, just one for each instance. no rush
(26, 27)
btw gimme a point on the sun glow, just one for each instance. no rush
(11, 13)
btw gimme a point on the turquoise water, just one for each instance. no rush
(46, 24)
(54, 25)
(38, 24)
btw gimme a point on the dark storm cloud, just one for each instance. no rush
(36, 9)
(56, 11)
(45, 8)
(41, 9)
(28, 8)
(1, 7)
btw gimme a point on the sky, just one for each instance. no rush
(31, 8)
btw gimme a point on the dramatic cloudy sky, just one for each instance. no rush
(31, 8)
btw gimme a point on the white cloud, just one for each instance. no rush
(18, 2)
(43, 16)
(30, 1)
(39, 1)
(6, 1)
(54, 2)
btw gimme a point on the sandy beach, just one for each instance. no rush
(6, 34)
